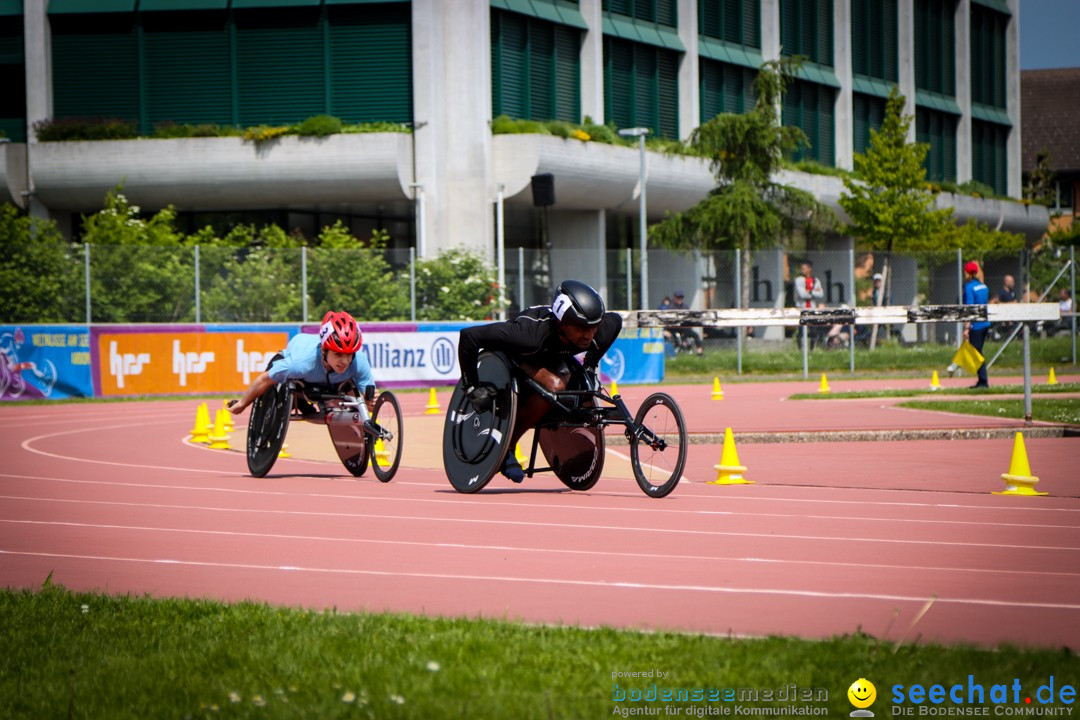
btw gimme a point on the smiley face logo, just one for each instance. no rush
(862, 693)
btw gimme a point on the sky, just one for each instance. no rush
(1049, 34)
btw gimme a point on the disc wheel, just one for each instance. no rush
(658, 445)
(386, 452)
(267, 425)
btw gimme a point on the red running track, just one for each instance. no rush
(833, 538)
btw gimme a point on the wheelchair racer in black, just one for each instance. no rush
(543, 341)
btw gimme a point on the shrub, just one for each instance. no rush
(81, 128)
(266, 133)
(456, 285)
(319, 126)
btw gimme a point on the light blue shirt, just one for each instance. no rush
(975, 293)
(303, 361)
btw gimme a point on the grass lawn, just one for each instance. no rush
(1058, 410)
(916, 392)
(93, 656)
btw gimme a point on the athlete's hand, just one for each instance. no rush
(235, 407)
(592, 380)
(482, 396)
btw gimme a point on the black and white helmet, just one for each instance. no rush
(578, 304)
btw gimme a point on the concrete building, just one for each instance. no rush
(446, 69)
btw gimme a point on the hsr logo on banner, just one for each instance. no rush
(189, 363)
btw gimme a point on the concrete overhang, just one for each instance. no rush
(226, 173)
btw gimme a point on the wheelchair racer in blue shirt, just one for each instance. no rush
(332, 358)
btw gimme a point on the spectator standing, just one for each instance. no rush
(808, 295)
(975, 293)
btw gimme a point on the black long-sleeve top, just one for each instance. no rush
(532, 335)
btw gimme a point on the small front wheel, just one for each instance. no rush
(658, 445)
(385, 450)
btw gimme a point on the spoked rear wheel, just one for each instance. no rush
(386, 452)
(658, 445)
(267, 425)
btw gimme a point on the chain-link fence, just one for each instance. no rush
(214, 284)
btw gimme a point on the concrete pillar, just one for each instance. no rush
(770, 29)
(843, 123)
(592, 61)
(39, 100)
(963, 90)
(905, 50)
(579, 250)
(1012, 99)
(452, 115)
(689, 85)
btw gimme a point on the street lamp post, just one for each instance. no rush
(640, 133)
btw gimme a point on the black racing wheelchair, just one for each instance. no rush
(358, 440)
(570, 436)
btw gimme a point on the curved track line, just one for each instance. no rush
(523, 549)
(523, 523)
(562, 581)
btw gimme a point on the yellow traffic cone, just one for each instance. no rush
(201, 430)
(1052, 380)
(518, 455)
(284, 452)
(381, 455)
(614, 388)
(729, 471)
(229, 425)
(433, 404)
(1019, 480)
(717, 393)
(219, 439)
(824, 387)
(935, 384)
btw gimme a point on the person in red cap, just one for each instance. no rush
(975, 293)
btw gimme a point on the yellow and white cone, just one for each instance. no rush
(201, 432)
(219, 439)
(433, 404)
(935, 384)
(717, 393)
(1019, 480)
(824, 387)
(729, 471)
(1052, 380)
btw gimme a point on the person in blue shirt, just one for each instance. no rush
(331, 358)
(975, 293)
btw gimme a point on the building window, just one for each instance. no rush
(989, 161)
(535, 68)
(874, 39)
(868, 112)
(736, 21)
(662, 12)
(13, 69)
(725, 88)
(806, 28)
(641, 86)
(938, 130)
(988, 56)
(812, 107)
(935, 46)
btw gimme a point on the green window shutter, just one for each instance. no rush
(922, 46)
(948, 147)
(710, 13)
(824, 43)
(645, 87)
(370, 63)
(187, 60)
(619, 82)
(12, 66)
(279, 66)
(948, 23)
(860, 37)
(869, 112)
(711, 81)
(541, 71)
(891, 43)
(730, 12)
(667, 13)
(788, 27)
(568, 74)
(668, 93)
(623, 7)
(510, 71)
(751, 23)
(95, 67)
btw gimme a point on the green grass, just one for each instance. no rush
(916, 392)
(93, 656)
(1058, 410)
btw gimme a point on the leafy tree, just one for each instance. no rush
(456, 285)
(747, 210)
(345, 273)
(1040, 187)
(41, 276)
(252, 275)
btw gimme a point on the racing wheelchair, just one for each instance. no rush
(358, 439)
(570, 436)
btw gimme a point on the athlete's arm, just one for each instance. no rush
(260, 385)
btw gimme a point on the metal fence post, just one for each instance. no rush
(198, 308)
(521, 279)
(1027, 373)
(738, 303)
(854, 302)
(86, 263)
(412, 284)
(960, 293)
(629, 279)
(303, 283)
(1072, 296)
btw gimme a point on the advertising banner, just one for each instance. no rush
(44, 361)
(636, 357)
(405, 355)
(177, 360)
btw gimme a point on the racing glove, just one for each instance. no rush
(482, 396)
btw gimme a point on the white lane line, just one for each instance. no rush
(556, 525)
(533, 506)
(539, 550)
(562, 581)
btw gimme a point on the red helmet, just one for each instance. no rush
(340, 333)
